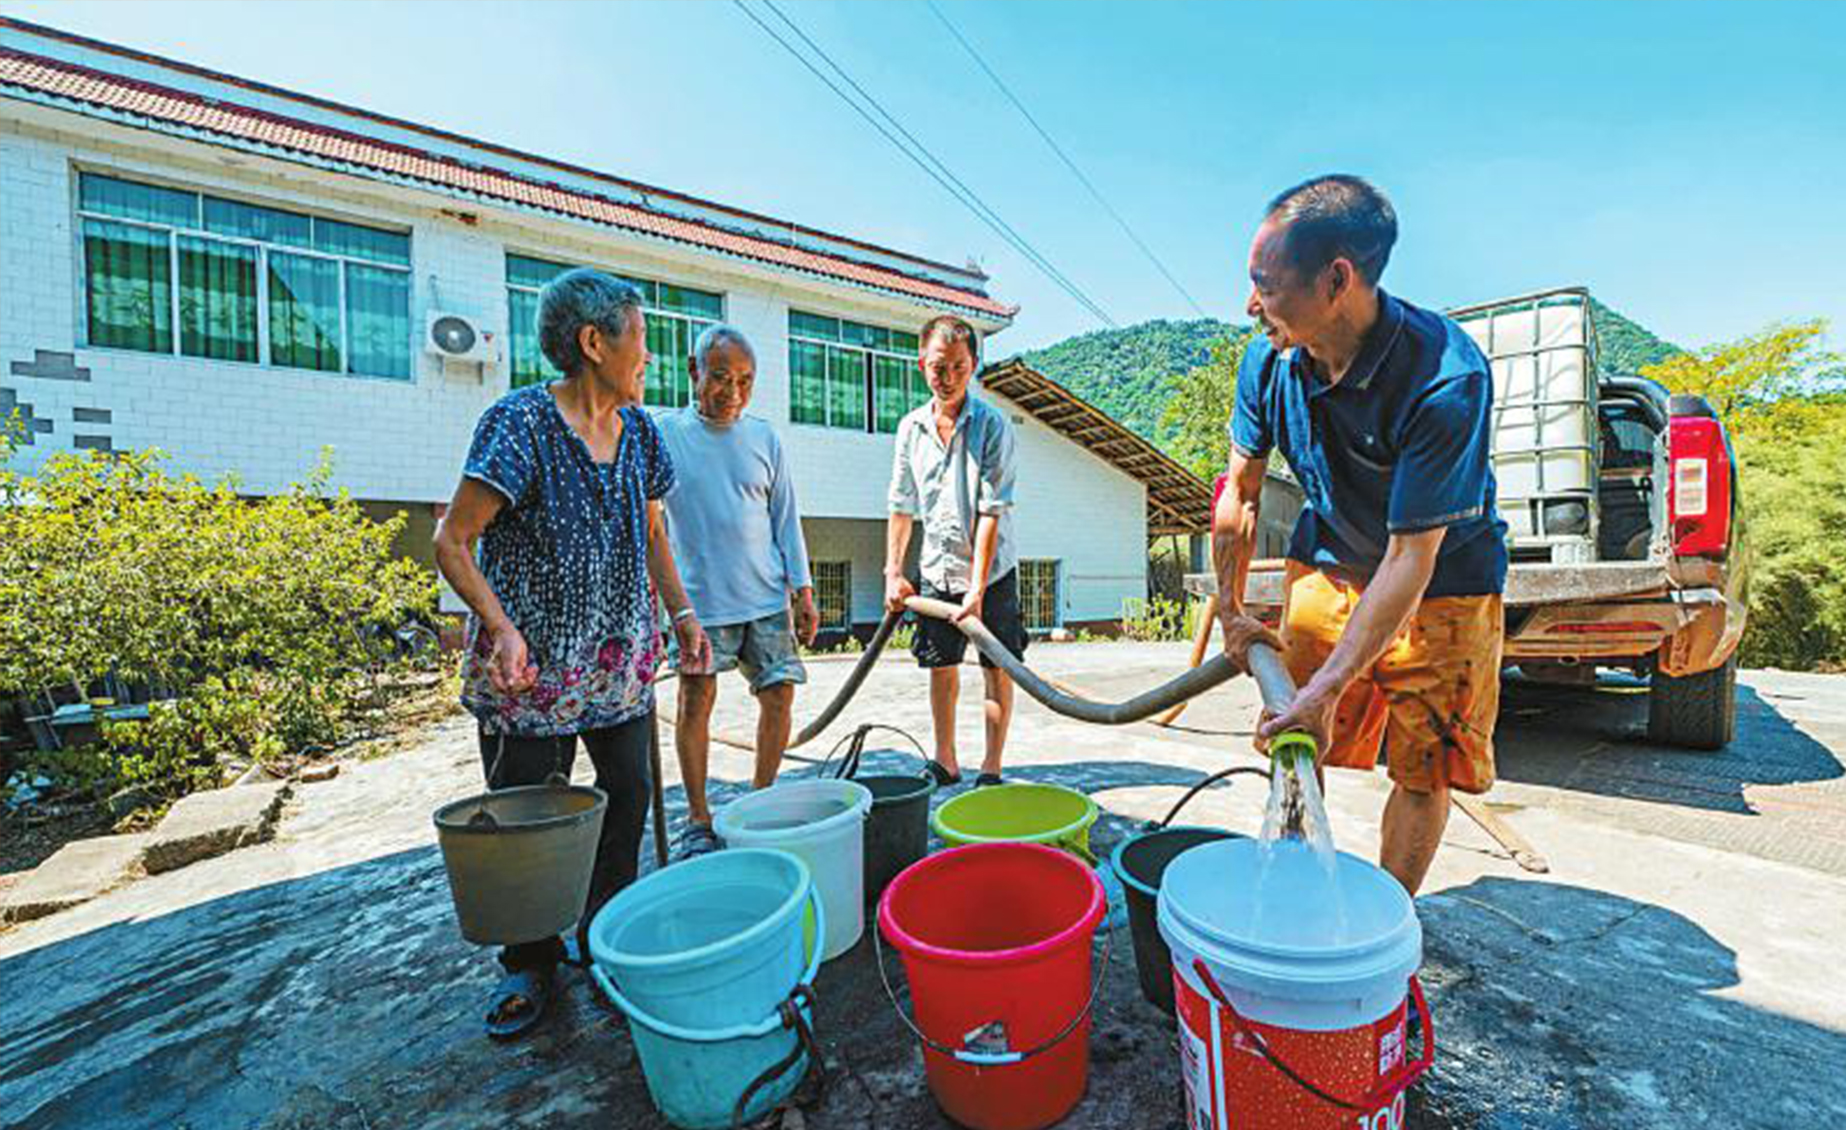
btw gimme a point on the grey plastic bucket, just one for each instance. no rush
(519, 860)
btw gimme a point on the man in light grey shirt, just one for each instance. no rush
(736, 535)
(954, 468)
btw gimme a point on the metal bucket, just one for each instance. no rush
(519, 860)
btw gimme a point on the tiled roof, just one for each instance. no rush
(1178, 501)
(71, 82)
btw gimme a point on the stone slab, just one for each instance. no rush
(211, 823)
(76, 873)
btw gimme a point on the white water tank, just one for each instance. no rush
(1543, 352)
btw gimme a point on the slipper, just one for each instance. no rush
(520, 1000)
(943, 777)
(986, 779)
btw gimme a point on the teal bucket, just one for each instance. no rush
(711, 959)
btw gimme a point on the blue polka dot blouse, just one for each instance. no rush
(567, 556)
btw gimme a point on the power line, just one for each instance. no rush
(1068, 163)
(959, 188)
(918, 153)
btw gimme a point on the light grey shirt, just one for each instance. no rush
(732, 518)
(947, 487)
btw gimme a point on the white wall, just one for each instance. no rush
(404, 440)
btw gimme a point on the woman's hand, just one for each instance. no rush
(694, 646)
(511, 670)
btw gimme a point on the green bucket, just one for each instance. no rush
(1033, 814)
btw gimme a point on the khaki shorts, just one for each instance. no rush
(1432, 698)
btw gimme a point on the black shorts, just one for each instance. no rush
(939, 643)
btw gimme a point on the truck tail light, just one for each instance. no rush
(1699, 495)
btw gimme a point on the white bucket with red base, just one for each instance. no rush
(1293, 984)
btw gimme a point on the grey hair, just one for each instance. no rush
(1336, 217)
(716, 334)
(578, 298)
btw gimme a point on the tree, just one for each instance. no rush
(1754, 379)
(1198, 408)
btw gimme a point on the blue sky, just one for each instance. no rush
(1687, 162)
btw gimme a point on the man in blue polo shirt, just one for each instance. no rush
(1392, 625)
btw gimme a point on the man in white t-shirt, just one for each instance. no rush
(736, 534)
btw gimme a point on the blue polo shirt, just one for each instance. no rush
(1401, 444)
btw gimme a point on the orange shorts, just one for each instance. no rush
(1432, 698)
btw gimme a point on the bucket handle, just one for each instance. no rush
(993, 1059)
(736, 1031)
(1207, 783)
(1380, 1093)
(855, 745)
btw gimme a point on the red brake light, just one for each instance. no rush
(1699, 487)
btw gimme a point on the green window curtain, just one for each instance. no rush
(891, 389)
(266, 225)
(525, 271)
(685, 300)
(813, 325)
(669, 341)
(129, 201)
(356, 242)
(916, 385)
(128, 282)
(902, 342)
(807, 377)
(304, 312)
(845, 388)
(529, 364)
(217, 299)
(378, 321)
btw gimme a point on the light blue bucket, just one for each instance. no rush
(701, 956)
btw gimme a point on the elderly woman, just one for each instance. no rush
(561, 491)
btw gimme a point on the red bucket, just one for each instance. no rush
(996, 940)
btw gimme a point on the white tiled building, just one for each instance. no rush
(243, 277)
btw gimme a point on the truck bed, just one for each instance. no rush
(1527, 585)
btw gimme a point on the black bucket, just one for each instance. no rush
(1139, 862)
(897, 831)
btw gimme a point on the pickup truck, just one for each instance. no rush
(1625, 527)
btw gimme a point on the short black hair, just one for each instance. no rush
(956, 329)
(1333, 217)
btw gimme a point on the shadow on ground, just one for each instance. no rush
(1594, 739)
(347, 1001)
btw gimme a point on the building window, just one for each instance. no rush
(676, 315)
(846, 375)
(1038, 593)
(833, 593)
(172, 271)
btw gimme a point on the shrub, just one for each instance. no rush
(1155, 619)
(255, 614)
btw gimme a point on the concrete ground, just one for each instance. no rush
(1678, 966)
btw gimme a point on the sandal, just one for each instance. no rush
(697, 839)
(943, 778)
(520, 1000)
(986, 779)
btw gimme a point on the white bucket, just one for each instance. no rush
(1316, 967)
(821, 822)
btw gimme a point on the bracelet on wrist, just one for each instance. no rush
(684, 614)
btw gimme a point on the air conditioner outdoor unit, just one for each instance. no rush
(456, 337)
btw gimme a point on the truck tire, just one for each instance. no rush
(1695, 711)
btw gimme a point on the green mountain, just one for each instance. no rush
(1125, 371)
(1626, 345)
